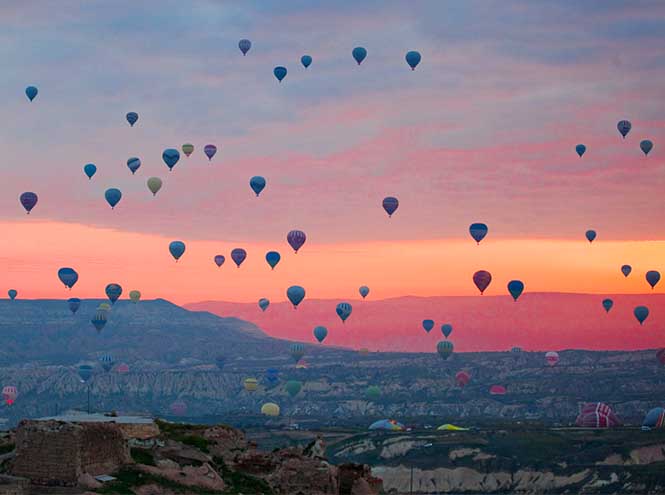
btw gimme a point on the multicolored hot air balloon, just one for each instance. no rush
(238, 255)
(597, 415)
(132, 118)
(624, 127)
(295, 294)
(462, 378)
(28, 201)
(219, 260)
(85, 372)
(297, 351)
(12, 293)
(343, 310)
(655, 418)
(270, 409)
(413, 59)
(646, 146)
(264, 303)
(9, 394)
(293, 387)
(74, 304)
(590, 235)
(250, 384)
(306, 61)
(445, 349)
(133, 164)
(482, 279)
(446, 329)
(100, 319)
(359, 54)
(31, 92)
(258, 184)
(272, 258)
(68, 276)
(580, 149)
(387, 424)
(113, 292)
(279, 72)
(390, 204)
(107, 362)
(364, 291)
(187, 149)
(320, 333)
(210, 150)
(428, 325)
(296, 239)
(607, 304)
(170, 157)
(641, 313)
(515, 288)
(113, 197)
(154, 185)
(90, 169)
(244, 46)
(626, 269)
(552, 358)
(653, 277)
(478, 231)
(373, 393)
(177, 249)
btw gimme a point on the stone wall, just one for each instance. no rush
(140, 431)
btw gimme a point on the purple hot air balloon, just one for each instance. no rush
(296, 239)
(238, 255)
(28, 200)
(210, 150)
(482, 280)
(219, 260)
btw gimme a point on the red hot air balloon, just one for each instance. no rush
(498, 390)
(552, 358)
(9, 394)
(597, 415)
(462, 378)
(482, 280)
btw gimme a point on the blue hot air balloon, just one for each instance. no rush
(264, 303)
(478, 231)
(515, 287)
(296, 239)
(170, 157)
(626, 269)
(68, 276)
(580, 148)
(653, 277)
(446, 329)
(85, 372)
(238, 255)
(280, 72)
(607, 304)
(210, 150)
(273, 257)
(428, 325)
(28, 201)
(113, 292)
(359, 54)
(107, 362)
(413, 59)
(320, 333)
(177, 249)
(343, 310)
(31, 92)
(641, 313)
(272, 376)
(364, 291)
(390, 204)
(295, 294)
(257, 183)
(74, 304)
(624, 127)
(244, 46)
(219, 260)
(132, 118)
(113, 196)
(133, 164)
(90, 169)
(306, 61)
(646, 146)
(590, 235)
(12, 293)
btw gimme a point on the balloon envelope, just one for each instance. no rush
(270, 409)
(580, 148)
(296, 239)
(641, 313)
(343, 310)
(244, 46)
(100, 319)
(295, 294)
(133, 164)
(364, 291)
(306, 61)
(478, 231)
(74, 304)
(482, 279)
(280, 72)
(626, 269)
(515, 287)
(257, 183)
(135, 296)
(390, 204)
(187, 149)
(90, 169)
(132, 118)
(428, 325)
(219, 260)
(590, 235)
(320, 333)
(154, 185)
(272, 258)
(210, 150)
(107, 361)
(446, 329)
(646, 146)
(297, 351)
(660, 356)
(68, 276)
(445, 349)
(264, 303)
(177, 249)
(624, 127)
(113, 292)
(170, 157)
(250, 384)
(607, 304)
(28, 200)
(31, 92)
(359, 54)
(462, 378)
(293, 387)
(552, 358)
(238, 255)
(373, 392)
(9, 394)
(85, 372)
(653, 277)
(413, 59)
(113, 196)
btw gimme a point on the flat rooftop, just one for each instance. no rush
(98, 418)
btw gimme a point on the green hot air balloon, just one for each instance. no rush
(293, 387)
(187, 149)
(154, 185)
(445, 349)
(373, 393)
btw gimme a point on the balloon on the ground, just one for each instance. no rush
(28, 201)
(113, 292)
(646, 146)
(478, 231)
(68, 276)
(154, 185)
(364, 291)
(580, 148)
(641, 313)
(306, 61)
(624, 127)
(387, 424)
(446, 329)
(413, 59)
(258, 184)
(272, 258)
(482, 279)
(187, 149)
(552, 358)
(653, 277)
(177, 249)
(244, 45)
(90, 169)
(12, 293)
(113, 196)
(280, 72)
(655, 418)
(210, 150)
(295, 294)
(133, 164)
(597, 415)
(320, 333)
(238, 255)
(428, 325)
(296, 239)
(515, 288)
(359, 54)
(132, 118)
(344, 310)
(390, 204)
(170, 157)
(445, 349)
(219, 260)
(626, 269)
(135, 296)
(264, 303)
(590, 235)
(607, 304)
(31, 92)
(74, 304)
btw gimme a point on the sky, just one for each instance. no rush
(483, 130)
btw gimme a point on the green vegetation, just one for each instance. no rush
(129, 478)
(183, 433)
(6, 448)
(240, 483)
(142, 456)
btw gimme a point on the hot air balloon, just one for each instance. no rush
(498, 390)
(257, 183)
(655, 418)
(113, 196)
(295, 294)
(343, 310)
(653, 277)
(482, 280)
(646, 146)
(250, 384)
(187, 149)
(580, 149)
(177, 249)
(154, 185)
(170, 157)
(273, 257)
(107, 362)
(90, 169)
(135, 296)
(100, 319)
(219, 260)
(296, 239)
(590, 235)
(210, 150)
(552, 358)
(178, 408)
(74, 304)
(446, 329)
(462, 378)
(85, 372)
(220, 361)
(373, 393)
(516, 350)
(515, 287)
(641, 313)
(132, 118)
(113, 292)
(387, 424)
(660, 356)
(293, 387)
(12, 293)
(270, 409)
(597, 415)
(68, 276)
(428, 325)
(238, 255)
(320, 333)
(133, 164)
(445, 349)
(478, 231)
(244, 46)
(280, 72)
(626, 269)
(272, 376)
(390, 204)
(364, 291)
(607, 304)
(105, 306)
(122, 368)
(624, 127)
(413, 59)
(31, 92)
(306, 61)
(264, 303)
(28, 200)
(359, 54)
(9, 394)
(297, 351)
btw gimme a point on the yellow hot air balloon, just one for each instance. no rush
(105, 306)
(135, 296)
(270, 409)
(251, 384)
(154, 184)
